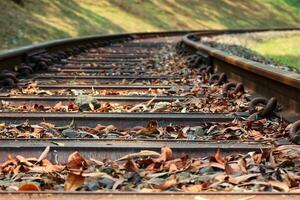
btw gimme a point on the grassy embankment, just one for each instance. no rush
(281, 50)
(43, 20)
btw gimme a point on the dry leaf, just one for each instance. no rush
(232, 168)
(43, 155)
(276, 184)
(166, 155)
(131, 166)
(173, 168)
(212, 164)
(219, 158)
(240, 179)
(192, 188)
(141, 154)
(29, 187)
(76, 162)
(73, 182)
(168, 183)
(151, 129)
(24, 161)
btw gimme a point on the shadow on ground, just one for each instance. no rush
(42, 20)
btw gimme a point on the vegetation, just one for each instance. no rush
(285, 51)
(36, 21)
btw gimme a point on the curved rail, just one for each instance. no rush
(17, 56)
(115, 147)
(260, 78)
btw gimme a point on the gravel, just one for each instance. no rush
(236, 44)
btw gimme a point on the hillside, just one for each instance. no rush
(41, 20)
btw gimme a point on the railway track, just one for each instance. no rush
(111, 96)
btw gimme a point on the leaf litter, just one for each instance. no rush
(151, 171)
(260, 130)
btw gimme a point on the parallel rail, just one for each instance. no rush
(120, 53)
(259, 78)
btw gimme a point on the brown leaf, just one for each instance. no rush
(165, 150)
(98, 162)
(76, 162)
(240, 179)
(258, 158)
(232, 168)
(192, 188)
(243, 165)
(212, 164)
(219, 158)
(166, 155)
(29, 187)
(47, 125)
(17, 170)
(276, 184)
(109, 129)
(24, 161)
(58, 107)
(195, 166)
(173, 168)
(74, 107)
(73, 182)
(131, 166)
(151, 129)
(47, 167)
(99, 127)
(168, 183)
(144, 153)
(256, 135)
(54, 168)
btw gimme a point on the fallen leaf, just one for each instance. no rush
(76, 162)
(279, 185)
(29, 187)
(47, 125)
(131, 166)
(24, 161)
(168, 183)
(43, 155)
(151, 129)
(98, 162)
(212, 164)
(256, 135)
(239, 179)
(232, 168)
(192, 188)
(145, 153)
(173, 168)
(73, 182)
(166, 155)
(219, 158)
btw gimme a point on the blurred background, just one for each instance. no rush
(25, 22)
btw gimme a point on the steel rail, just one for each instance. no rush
(118, 87)
(150, 196)
(262, 79)
(99, 149)
(118, 98)
(114, 151)
(12, 57)
(137, 77)
(17, 56)
(122, 120)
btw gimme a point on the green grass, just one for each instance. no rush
(44, 20)
(284, 51)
